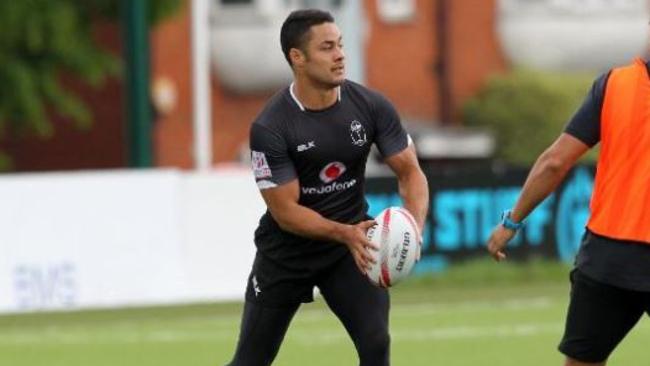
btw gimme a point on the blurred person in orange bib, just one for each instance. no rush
(610, 284)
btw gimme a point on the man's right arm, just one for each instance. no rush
(547, 173)
(582, 132)
(282, 202)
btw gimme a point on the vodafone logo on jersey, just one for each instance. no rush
(328, 175)
(332, 171)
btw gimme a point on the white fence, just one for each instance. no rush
(124, 238)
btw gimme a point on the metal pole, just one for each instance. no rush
(202, 111)
(445, 97)
(135, 34)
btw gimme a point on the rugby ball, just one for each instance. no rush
(397, 237)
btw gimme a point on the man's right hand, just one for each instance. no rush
(354, 237)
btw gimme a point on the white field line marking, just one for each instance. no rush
(134, 332)
(420, 309)
(307, 315)
(461, 332)
(306, 337)
(318, 336)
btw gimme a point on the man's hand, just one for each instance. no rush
(498, 239)
(354, 237)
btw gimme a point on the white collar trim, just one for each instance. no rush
(302, 107)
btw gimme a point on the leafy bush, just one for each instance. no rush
(527, 110)
(40, 40)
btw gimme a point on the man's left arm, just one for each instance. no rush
(398, 151)
(413, 186)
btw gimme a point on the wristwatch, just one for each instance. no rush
(507, 222)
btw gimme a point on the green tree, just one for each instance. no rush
(40, 41)
(526, 110)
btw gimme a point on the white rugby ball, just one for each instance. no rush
(397, 237)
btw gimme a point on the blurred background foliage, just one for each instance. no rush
(527, 110)
(41, 40)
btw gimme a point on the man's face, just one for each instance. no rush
(324, 60)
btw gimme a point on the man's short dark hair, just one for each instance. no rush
(295, 28)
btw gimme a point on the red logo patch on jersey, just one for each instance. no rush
(332, 171)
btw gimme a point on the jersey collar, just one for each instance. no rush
(302, 107)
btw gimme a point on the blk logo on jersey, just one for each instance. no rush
(305, 147)
(357, 133)
(332, 171)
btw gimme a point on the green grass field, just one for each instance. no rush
(482, 313)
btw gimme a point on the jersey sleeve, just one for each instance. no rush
(270, 159)
(585, 123)
(391, 138)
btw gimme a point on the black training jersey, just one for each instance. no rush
(326, 151)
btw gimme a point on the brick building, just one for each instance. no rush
(427, 65)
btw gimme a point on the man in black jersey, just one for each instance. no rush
(309, 148)
(611, 279)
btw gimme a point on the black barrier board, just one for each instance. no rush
(466, 205)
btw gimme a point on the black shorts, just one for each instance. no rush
(599, 317)
(274, 285)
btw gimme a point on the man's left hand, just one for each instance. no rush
(498, 240)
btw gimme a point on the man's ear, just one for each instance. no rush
(297, 57)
